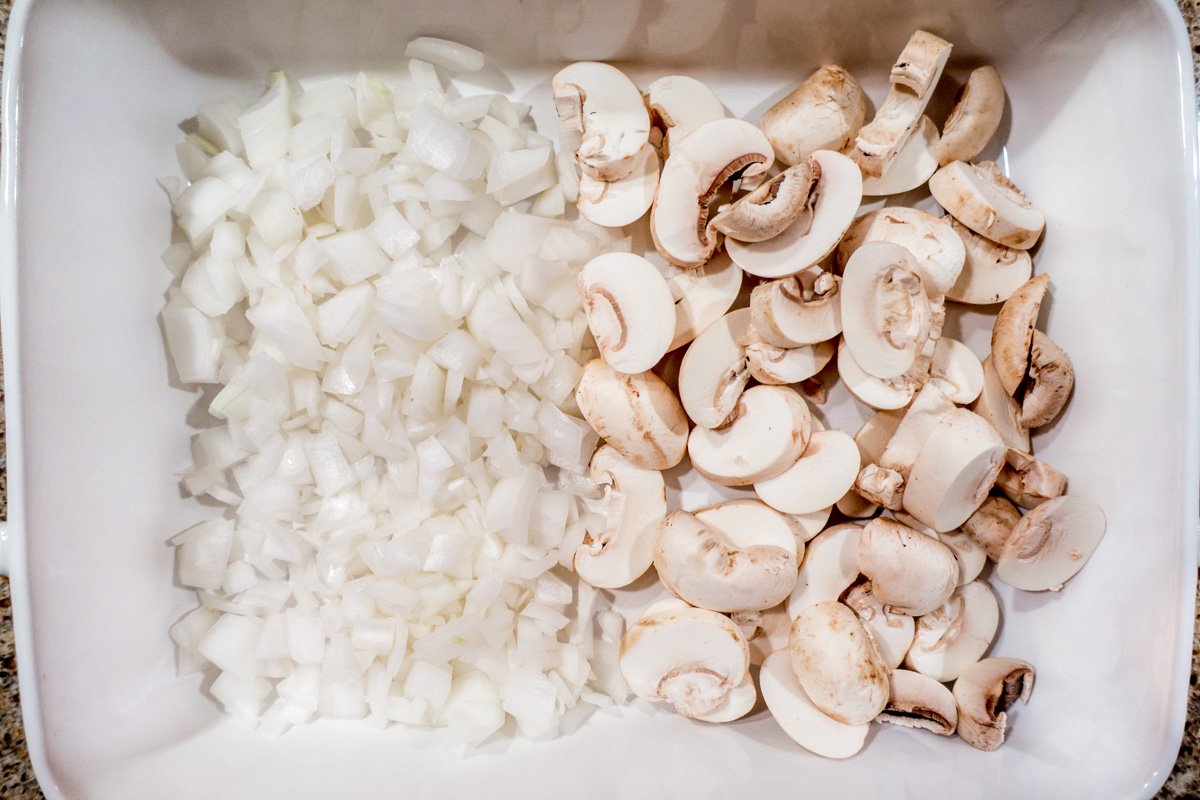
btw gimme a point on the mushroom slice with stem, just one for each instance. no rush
(1050, 380)
(801, 310)
(984, 693)
(938, 253)
(910, 573)
(885, 311)
(1012, 332)
(637, 414)
(740, 568)
(992, 524)
(975, 117)
(914, 76)
(804, 723)
(678, 105)
(883, 481)
(615, 204)
(829, 567)
(766, 631)
(810, 238)
(956, 371)
(991, 271)
(770, 430)
(702, 296)
(768, 210)
(872, 439)
(714, 371)
(837, 664)
(599, 100)
(912, 165)
(1051, 544)
(629, 310)
(698, 166)
(998, 407)
(779, 366)
(955, 634)
(689, 657)
(822, 113)
(882, 395)
(822, 475)
(635, 501)
(892, 633)
(981, 197)
(1029, 482)
(918, 701)
(954, 471)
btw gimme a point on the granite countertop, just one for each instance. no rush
(17, 781)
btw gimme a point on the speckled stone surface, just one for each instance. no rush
(16, 775)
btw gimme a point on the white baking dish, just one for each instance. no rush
(1101, 132)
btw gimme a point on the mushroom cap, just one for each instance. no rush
(599, 100)
(780, 366)
(984, 693)
(714, 370)
(804, 723)
(992, 524)
(918, 701)
(829, 566)
(872, 439)
(982, 198)
(910, 573)
(1029, 482)
(837, 663)
(956, 371)
(678, 105)
(976, 115)
(770, 430)
(880, 394)
(635, 500)
(991, 271)
(801, 310)
(822, 113)
(912, 165)
(823, 474)
(892, 633)
(808, 240)
(702, 295)
(637, 414)
(885, 310)
(615, 204)
(698, 166)
(766, 631)
(629, 310)
(1051, 378)
(956, 634)
(954, 471)
(1051, 544)
(709, 568)
(689, 657)
(938, 252)
(998, 407)
(733, 518)
(768, 210)
(1012, 332)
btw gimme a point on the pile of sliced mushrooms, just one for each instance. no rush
(884, 614)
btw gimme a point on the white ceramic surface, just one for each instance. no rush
(1101, 132)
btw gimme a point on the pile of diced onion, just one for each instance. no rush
(376, 280)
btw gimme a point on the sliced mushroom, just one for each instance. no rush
(880, 394)
(733, 570)
(798, 311)
(984, 693)
(1029, 482)
(885, 310)
(956, 371)
(822, 113)
(910, 573)
(955, 634)
(698, 166)
(837, 663)
(1012, 332)
(975, 117)
(918, 701)
(1051, 378)
(599, 100)
(635, 501)
(688, 657)
(768, 210)
(636, 414)
(914, 76)
(1051, 544)
(954, 471)
(779, 366)
(810, 238)
(629, 310)
(821, 476)
(812, 523)
(731, 516)
(992, 524)
(969, 554)
(738, 703)
(829, 567)
(982, 198)
(991, 272)
(911, 166)
(702, 296)
(678, 105)
(938, 253)
(770, 430)
(615, 204)
(766, 631)
(883, 482)
(804, 723)
(891, 632)
(872, 439)
(714, 370)
(998, 407)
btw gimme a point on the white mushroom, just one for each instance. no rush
(822, 113)
(998, 407)
(797, 311)
(956, 371)
(872, 439)
(956, 634)
(1049, 382)
(829, 567)
(733, 570)
(883, 481)
(698, 166)
(918, 701)
(766, 631)
(629, 310)
(779, 366)
(991, 272)
(810, 238)
(804, 723)
(635, 501)
(984, 693)
(880, 394)
(954, 471)
(599, 100)
(1051, 544)
(885, 310)
(911, 166)
(1029, 482)
(914, 76)
(702, 296)
(738, 703)
(770, 430)
(812, 523)
(982, 198)
(975, 117)
(714, 370)
(768, 210)
(821, 476)
(910, 573)
(678, 105)
(937, 251)
(615, 204)
(969, 554)
(636, 414)
(837, 664)
(689, 657)
(1012, 332)
(992, 524)
(731, 516)
(891, 632)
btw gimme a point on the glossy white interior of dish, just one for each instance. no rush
(1099, 132)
